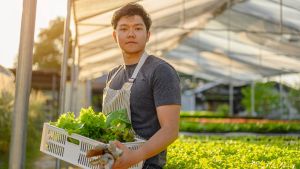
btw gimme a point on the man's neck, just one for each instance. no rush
(130, 59)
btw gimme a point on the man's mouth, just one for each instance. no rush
(130, 42)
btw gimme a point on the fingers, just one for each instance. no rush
(114, 150)
(92, 153)
(106, 154)
(96, 151)
(119, 144)
(105, 161)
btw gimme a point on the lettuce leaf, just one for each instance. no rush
(116, 117)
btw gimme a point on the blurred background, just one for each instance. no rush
(238, 61)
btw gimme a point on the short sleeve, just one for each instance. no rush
(166, 85)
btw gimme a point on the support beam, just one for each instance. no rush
(72, 93)
(281, 98)
(23, 85)
(64, 65)
(231, 99)
(88, 93)
(253, 99)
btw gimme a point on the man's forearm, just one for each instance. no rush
(157, 143)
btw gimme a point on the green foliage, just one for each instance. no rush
(266, 98)
(34, 126)
(49, 48)
(240, 127)
(97, 126)
(234, 152)
(207, 114)
(67, 121)
(223, 109)
(36, 118)
(294, 98)
(6, 109)
(119, 116)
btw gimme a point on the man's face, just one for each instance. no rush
(131, 34)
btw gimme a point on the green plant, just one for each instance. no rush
(242, 127)
(206, 114)
(294, 98)
(234, 152)
(36, 118)
(34, 126)
(6, 107)
(114, 126)
(223, 109)
(266, 98)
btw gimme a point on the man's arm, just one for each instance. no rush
(168, 116)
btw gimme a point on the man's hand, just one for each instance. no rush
(127, 159)
(106, 155)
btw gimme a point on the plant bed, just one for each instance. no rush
(239, 120)
(240, 127)
(234, 152)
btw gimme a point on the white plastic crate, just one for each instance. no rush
(55, 142)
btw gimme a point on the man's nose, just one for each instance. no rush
(131, 33)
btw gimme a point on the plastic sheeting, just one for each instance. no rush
(233, 41)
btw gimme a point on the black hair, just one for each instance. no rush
(131, 9)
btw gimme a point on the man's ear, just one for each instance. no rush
(148, 35)
(114, 36)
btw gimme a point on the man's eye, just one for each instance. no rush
(123, 29)
(139, 29)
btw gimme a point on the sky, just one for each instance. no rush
(10, 19)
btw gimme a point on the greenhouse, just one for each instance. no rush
(238, 62)
(223, 42)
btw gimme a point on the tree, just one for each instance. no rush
(266, 98)
(48, 50)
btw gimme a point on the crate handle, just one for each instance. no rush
(73, 140)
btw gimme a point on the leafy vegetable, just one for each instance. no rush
(68, 122)
(116, 117)
(97, 126)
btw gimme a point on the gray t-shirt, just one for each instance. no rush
(157, 84)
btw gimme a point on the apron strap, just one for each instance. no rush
(112, 77)
(138, 67)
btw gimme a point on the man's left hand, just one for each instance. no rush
(127, 159)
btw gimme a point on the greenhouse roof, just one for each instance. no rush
(240, 41)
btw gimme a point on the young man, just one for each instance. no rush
(148, 87)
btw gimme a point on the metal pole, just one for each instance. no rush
(88, 92)
(76, 67)
(53, 97)
(76, 81)
(253, 98)
(63, 73)
(231, 97)
(64, 65)
(23, 85)
(71, 108)
(281, 95)
(281, 24)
